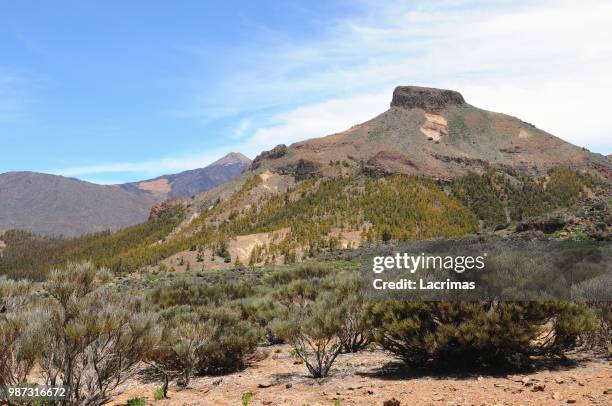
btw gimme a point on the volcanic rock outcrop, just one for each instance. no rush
(426, 98)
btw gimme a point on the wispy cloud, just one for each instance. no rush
(242, 129)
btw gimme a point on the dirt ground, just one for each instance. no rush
(371, 377)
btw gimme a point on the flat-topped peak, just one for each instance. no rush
(426, 98)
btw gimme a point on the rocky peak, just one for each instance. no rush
(233, 158)
(426, 98)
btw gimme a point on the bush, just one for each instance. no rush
(422, 333)
(354, 333)
(160, 393)
(233, 342)
(136, 402)
(18, 351)
(312, 325)
(92, 340)
(203, 341)
(246, 398)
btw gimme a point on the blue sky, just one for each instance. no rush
(119, 91)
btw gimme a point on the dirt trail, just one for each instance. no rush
(359, 380)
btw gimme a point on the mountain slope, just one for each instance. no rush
(436, 133)
(192, 182)
(50, 204)
(55, 205)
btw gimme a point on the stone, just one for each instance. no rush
(277, 152)
(266, 384)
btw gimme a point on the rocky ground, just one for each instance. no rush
(373, 377)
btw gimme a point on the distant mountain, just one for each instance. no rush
(55, 205)
(192, 182)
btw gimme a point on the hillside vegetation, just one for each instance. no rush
(315, 213)
(203, 323)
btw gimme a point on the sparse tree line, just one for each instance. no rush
(86, 330)
(396, 207)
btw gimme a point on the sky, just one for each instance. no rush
(116, 91)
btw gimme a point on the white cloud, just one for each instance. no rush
(319, 119)
(241, 130)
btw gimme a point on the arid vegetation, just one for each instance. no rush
(82, 327)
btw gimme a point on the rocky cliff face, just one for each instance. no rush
(425, 98)
(277, 152)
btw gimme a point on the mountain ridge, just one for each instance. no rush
(57, 205)
(193, 181)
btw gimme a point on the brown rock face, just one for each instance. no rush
(426, 98)
(159, 210)
(277, 152)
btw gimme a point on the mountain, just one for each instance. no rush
(50, 204)
(192, 182)
(431, 166)
(436, 133)
(55, 205)
(426, 132)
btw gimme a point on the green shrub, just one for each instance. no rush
(354, 334)
(203, 341)
(86, 327)
(422, 333)
(313, 326)
(233, 343)
(136, 402)
(246, 398)
(160, 393)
